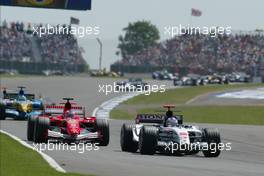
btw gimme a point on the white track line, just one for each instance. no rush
(103, 111)
(257, 94)
(94, 111)
(46, 157)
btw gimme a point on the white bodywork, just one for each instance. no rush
(180, 132)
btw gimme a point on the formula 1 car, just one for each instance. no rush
(19, 105)
(68, 124)
(188, 81)
(163, 75)
(217, 79)
(104, 73)
(239, 77)
(132, 84)
(167, 134)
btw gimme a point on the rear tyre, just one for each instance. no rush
(2, 112)
(212, 138)
(31, 128)
(148, 139)
(103, 127)
(41, 130)
(126, 139)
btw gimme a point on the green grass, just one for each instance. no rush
(17, 160)
(253, 115)
(180, 96)
(120, 114)
(245, 115)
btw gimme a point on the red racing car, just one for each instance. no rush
(67, 123)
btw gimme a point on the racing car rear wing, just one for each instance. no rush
(150, 118)
(155, 118)
(15, 95)
(55, 109)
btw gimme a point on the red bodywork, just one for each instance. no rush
(70, 126)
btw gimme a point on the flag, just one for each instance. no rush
(82, 50)
(75, 20)
(196, 12)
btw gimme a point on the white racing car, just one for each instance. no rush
(166, 134)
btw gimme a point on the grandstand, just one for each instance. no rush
(27, 53)
(201, 53)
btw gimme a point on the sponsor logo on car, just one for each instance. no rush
(40, 2)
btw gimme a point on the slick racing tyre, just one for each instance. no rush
(102, 126)
(41, 130)
(31, 128)
(148, 139)
(212, 138)
(2, 112)
(126, 139)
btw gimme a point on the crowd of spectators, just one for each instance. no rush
(15, 45)
(236, 52)
(60, 48)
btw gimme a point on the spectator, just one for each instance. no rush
(233, 52)
(60, 49)
(15, 45)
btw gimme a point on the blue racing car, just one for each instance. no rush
(19, 106)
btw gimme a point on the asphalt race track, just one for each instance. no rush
(246, 157)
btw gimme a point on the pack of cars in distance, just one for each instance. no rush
(163, 75)
(132, 84)
(168, 135)
(19, 105)
(195, 79)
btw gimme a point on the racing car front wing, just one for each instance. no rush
(81, 137)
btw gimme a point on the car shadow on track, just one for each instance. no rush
(162, 154)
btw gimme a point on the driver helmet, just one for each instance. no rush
(21, 98)
(68, 114)
(172, 121)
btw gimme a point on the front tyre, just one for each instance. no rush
(2, 112)
(31, 128)
(212, 138)
(102, 126)
(41, 130)
(126, 139)
(148, 139)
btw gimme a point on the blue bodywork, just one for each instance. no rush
(12, 110)
(21, 106)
